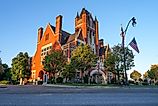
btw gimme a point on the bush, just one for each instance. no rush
(40, 82)
(59, 80)
(156, 83)
(131, 82)
(85, 79)
(51, 81)
(145, 83)
(137, 83)
(4, 82)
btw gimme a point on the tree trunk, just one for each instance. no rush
(21, 81)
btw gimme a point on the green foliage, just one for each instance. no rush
(54, 62)
(114, 61)
(145, 75)
(4, 82)
(83, 57)
(135, 75)
(7, 72)
(20, 66)
(4, 72)
(59, 80)
(153, 72)
(1, 69)
(69, 71)
(111, 61)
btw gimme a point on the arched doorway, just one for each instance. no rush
(98, 76)
(40, 75)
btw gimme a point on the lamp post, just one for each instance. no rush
(123, 33)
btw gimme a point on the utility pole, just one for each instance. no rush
(123, 33)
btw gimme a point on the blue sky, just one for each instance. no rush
(20, 19)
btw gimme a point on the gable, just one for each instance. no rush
(48, 36)
(80, 37)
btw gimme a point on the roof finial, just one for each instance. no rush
(96, 18)
(77, 16)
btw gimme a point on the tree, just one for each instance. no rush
(20, 67)
(145, 75)
(83, 58)
(114, 61)
(1, 69)
(135, 75)
(69, 71)
(153, 72)
(54, 63)
(7, 72)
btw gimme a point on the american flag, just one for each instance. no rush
(133, 44)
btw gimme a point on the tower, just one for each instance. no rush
(89, 28)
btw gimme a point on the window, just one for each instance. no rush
(90, 36)
(42, 54)
(47, 37)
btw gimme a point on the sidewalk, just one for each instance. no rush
(73, 86)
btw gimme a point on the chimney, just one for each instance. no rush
(40, 33)
(58, 24)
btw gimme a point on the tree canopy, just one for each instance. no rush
(114, 61)
(83, 57)
(153, 72)
(69, 71)
(135, 75)
(1, 69)
(20, 67)
(54, 62)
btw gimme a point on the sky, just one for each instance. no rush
(20, 20)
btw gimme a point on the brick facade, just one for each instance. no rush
(86, 32)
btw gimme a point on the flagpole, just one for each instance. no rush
(123, 33)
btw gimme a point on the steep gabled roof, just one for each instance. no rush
(53, 28)
(72, 37)
(77, 35)
(64, 35)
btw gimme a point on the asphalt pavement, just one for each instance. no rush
(77, 96)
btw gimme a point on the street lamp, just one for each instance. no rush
(123, 33)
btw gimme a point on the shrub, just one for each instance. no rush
(40, 82)
(156, 83)
(85, 79)
(4, 82)
(131, 82)
(59, 80)
(145, 83)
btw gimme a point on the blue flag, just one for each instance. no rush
(133, 44)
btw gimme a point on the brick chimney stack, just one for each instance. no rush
(40, 33)
(58, 24)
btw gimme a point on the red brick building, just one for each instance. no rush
(86, 32)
